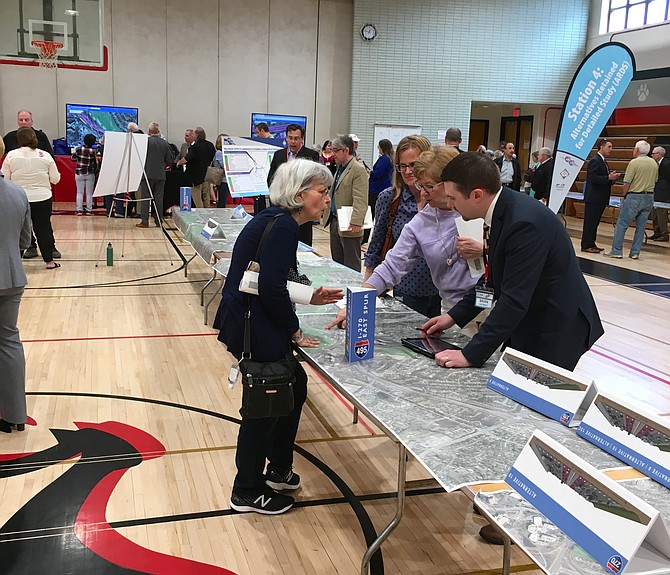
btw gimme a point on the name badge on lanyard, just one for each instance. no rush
(484, 297)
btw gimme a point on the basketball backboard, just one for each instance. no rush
(76, 24)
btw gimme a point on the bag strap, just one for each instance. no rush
(246, 348)
(388, 241)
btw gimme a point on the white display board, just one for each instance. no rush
(247, 166)
(118, 175)
(549, 389)
(392, 132)
(618, 529)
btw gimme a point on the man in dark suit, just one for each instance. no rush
(198, 158)
(659, 216)
(453, 137)
(152, 186)
(510, 170)
(541, 179)
(599, 182)
(295, 138)
(543, 306)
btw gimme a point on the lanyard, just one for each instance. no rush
(485, 255)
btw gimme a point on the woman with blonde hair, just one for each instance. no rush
(396, 206)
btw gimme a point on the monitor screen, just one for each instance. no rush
(276, 123)
(82, 119)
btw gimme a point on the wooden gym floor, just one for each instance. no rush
(149, 493)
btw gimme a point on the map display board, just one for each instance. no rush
(247, 165)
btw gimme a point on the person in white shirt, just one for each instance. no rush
(35, 171)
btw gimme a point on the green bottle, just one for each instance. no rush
(110, 254)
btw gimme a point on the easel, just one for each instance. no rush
(125, 159)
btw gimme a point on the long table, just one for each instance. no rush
(462, 432)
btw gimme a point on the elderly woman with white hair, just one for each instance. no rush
(299, 194)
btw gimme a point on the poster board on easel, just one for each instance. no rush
(392, 132)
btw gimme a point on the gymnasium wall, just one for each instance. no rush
(210, 63)
(432, 58)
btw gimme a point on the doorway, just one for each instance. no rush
(479, 134)
(519, 131)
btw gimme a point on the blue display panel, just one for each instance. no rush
(82, 119)
(277, 123)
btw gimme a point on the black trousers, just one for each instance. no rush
(271, 439)
(592, 214)
(40, 214)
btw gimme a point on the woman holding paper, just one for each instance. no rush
(431, 234)
(299, 194)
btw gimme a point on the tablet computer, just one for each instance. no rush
(427, 346)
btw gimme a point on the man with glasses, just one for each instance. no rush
(295, 138)
(349, 189)
(510, 170)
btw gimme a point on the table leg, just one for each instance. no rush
(211, 299)
(355, 415)
(400, 507)
(186, 265)
(202, 291)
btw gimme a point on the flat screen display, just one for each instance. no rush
(82, 119)
(277, 123)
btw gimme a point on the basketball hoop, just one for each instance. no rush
(47, 51)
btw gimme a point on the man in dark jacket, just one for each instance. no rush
(659, 216)
(599, 182)
(543, 305)
(541, 180)
(198, 158)
(295, 138)
(510, 170)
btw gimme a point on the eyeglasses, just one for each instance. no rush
(405, 167)
(324, 192)
(337, 149)
(427, 187)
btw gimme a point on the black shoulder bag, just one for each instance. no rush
(267, 386)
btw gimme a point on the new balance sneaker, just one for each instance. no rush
(264, 501)
(282, 481)
(31, 252)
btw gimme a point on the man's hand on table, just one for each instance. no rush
(451, 358)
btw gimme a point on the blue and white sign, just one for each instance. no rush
(548, 389)
(639, 439)
(185, 199)
(597, 87)
(360, 332)
(618, 529)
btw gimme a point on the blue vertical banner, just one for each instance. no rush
(595, 91)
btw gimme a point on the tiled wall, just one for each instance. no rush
(432, 58)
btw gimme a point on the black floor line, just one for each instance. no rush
(649, 283)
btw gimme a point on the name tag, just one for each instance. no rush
(484, 298)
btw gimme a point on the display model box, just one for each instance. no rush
(617, 528)
(185, 199)
(360, 332)
(639, 439)
(212, 231)
(544, 387)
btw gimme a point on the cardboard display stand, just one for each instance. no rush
(542, 386)
(360, 331)
(639, 439)
(618, 529)
(212, 231)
